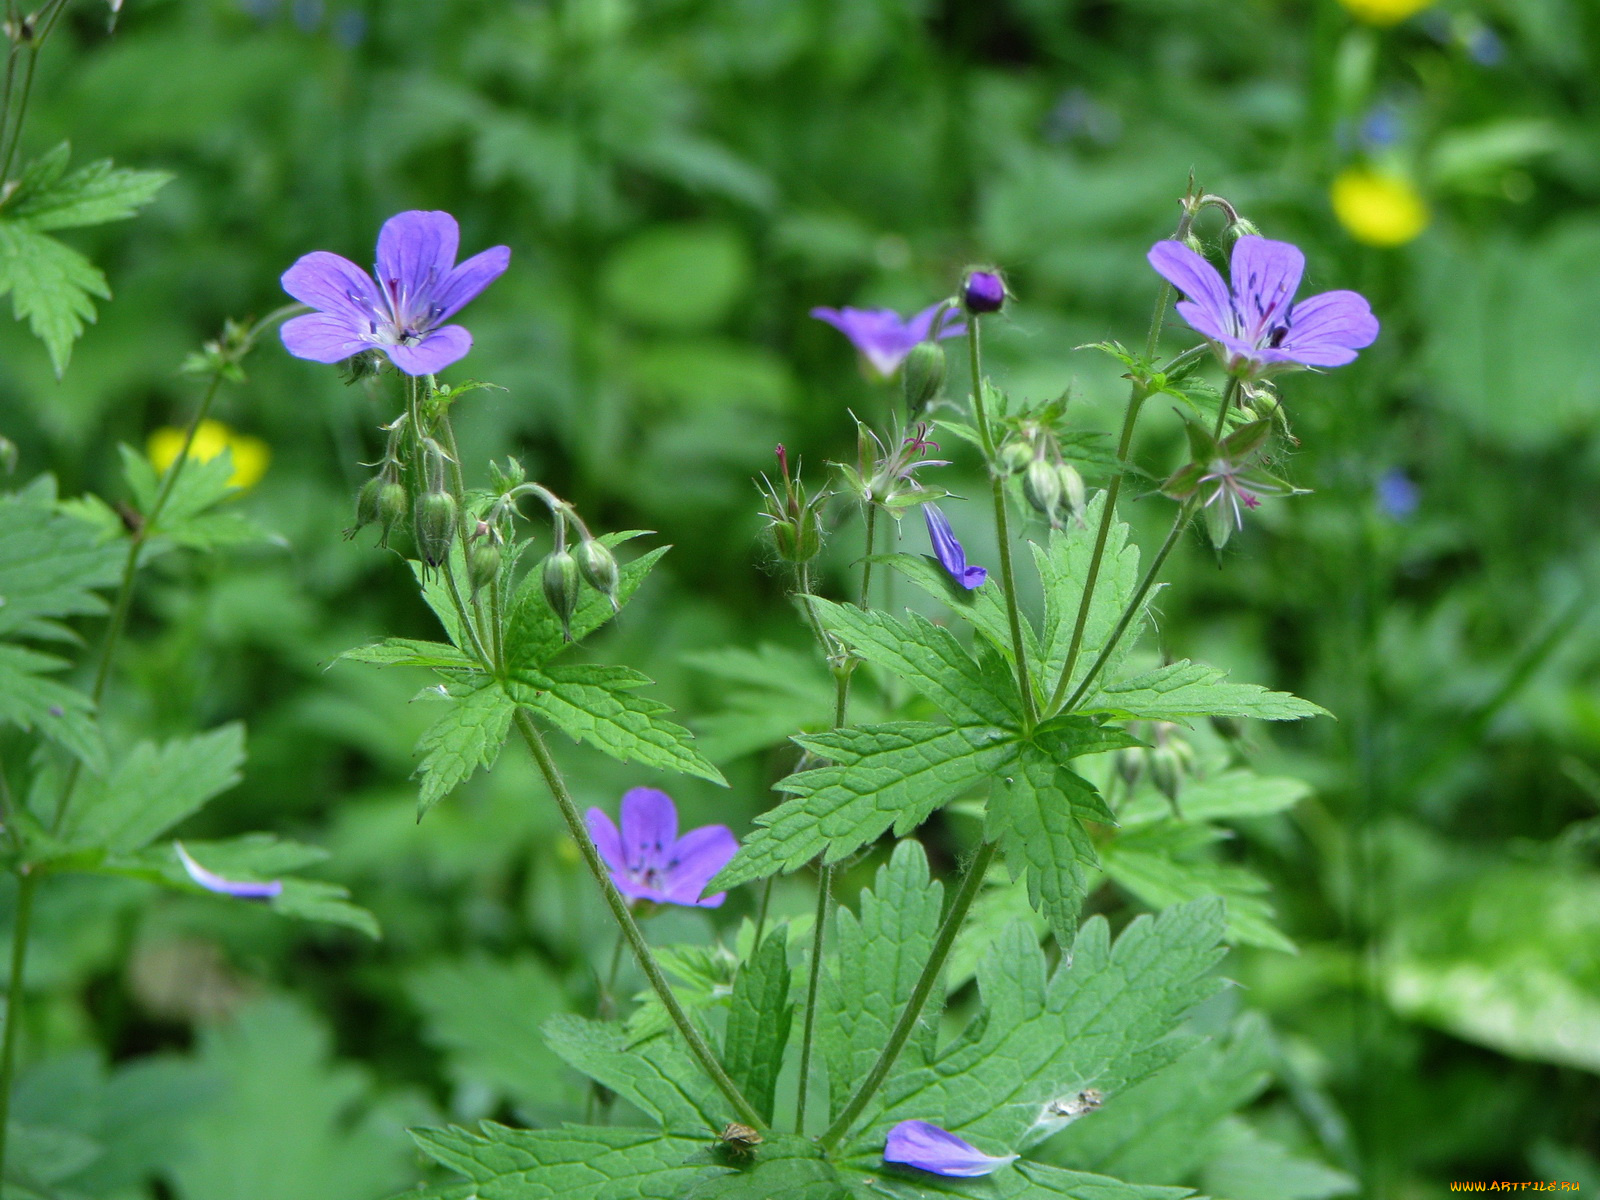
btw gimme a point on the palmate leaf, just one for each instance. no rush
(409, 652)
(534, 634)
(1185, 690)
(1104, 1019)
(983, 607)
(1063, 565)
(878, 952)
(893, 774)
(49, 198)
(787, 1166)
(52, 287)
(655, 1075)
(1023, 1180)
(51, 563)
(468, 736)
(569, 1163)
(759, 1014)
(30, 701)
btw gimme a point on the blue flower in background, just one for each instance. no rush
(949, 552)
(649, 861)
(1398, 496)
(419, 287)
(884, 337)
(927, 1147)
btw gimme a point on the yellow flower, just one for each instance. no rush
(211, 438)
(1377, 208)
(1385, 12)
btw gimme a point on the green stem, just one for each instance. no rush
(702, 1052)
(1228, 393)
(912, 1013)
(26, 883)
(1001, 525)
(761, 912)
(1185, 511)
(44, 24)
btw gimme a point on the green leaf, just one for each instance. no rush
(1250, 1166)
(533, 635)
(40, 1157)
(1223, 796)
(92, 195)
(929, 659)
(1104, 1019)
(1165, 864)
(984, 607)
(1037, 816)
(152, 788)
(52, 287)
(1063, 566)
(1163, 1128)
(595, 704)
(469, 735)
(1183, 690)
(895, 774)
(1023, 1180)
(655, 1075)
(487, 1016)
(759, 1014)
(409, 652)
(30, 701)
(768, 693)
(784, 1165)
(878, 952)
(50, 563)
(563, 1164)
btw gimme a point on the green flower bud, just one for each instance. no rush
(1041, 486)
(561, 581)
(1071, 488)
(483, 564)
(434, 524)
(367, 504)
(1015, 455)
(599, 566)
(922, 377)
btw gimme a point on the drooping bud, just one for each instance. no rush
(922, 376)
(1171, 762)
(561, 580)
(483, 564)
(1015, 455)
(1072, 493)
(434, 524)
(983, 292)
(367, 501)
(599, 566)
(1041, 487)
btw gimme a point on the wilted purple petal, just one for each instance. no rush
(925, 1146)
(697, 857)
(321, 337)
(948, 551)
(213, 882)
(435, 352)
(648, 860)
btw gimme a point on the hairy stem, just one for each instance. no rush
(27, 880)
(912, 1013)
(1002, 524)
(702, 1052)
(1228, 394)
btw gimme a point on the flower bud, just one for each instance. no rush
(1015, 455)
(367, 501)
(922, 377)
(434, 524)
(561, 580)
(1071, 488)
(599, 566)
(483, 564)
(1171, 762)
(983, 292)
(1041, 486)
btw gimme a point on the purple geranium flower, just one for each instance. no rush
(1259, 327)
(883, 337)
(419, 287)
(649, 861)
(929, 1148)
(950, 554)
(213, 882)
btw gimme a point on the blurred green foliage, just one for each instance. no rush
(681, 181)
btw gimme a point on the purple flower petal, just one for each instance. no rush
(1204, 321)
(1326, 330)
(649, 826)
(948, 551)
(213, 882)
(606, 839)
(433, 353)
(334, 285)
(927, 1147)
(697, 857)
(415, 252)
(882, 337)
(321, 337)
(466, 282)
(1265, 276)
(1197, 279)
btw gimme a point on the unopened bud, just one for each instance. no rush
(983, 292)
(1171, 762)
(561, 581)
(1041, 486)
(483, 564)
(1130, 763)
(599, 566)
(922, 377)
(1241, 227)
(1071, 488)
(367, 504)
(434, 525)
(1015, 455)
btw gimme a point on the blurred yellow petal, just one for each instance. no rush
(1385, 12)
(1378, 209)
(250, 455)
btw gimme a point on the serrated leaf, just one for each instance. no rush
(783, 1166)
(1063, 565)
(596, 704)
(1104, 1019)
(1037, 815)
(878, 952)
(533, 634)
(984, 607)
(151, 789)
(562, 1164)
(895, 774)
(92, 195)
(759, 1013)
(772, 692)
(1251, 1166)
(52, 287)
(1165, 864)
(656, 1075)
(487, 1016)
(929, 659)
(1184, 690)
(30, 701)
(1023, 1180)
(50, 563)
(1225, 795)
(409, 652)
(468, 736)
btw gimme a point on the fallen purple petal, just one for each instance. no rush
(925, 1146)
(213, 882)
(948, 551)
